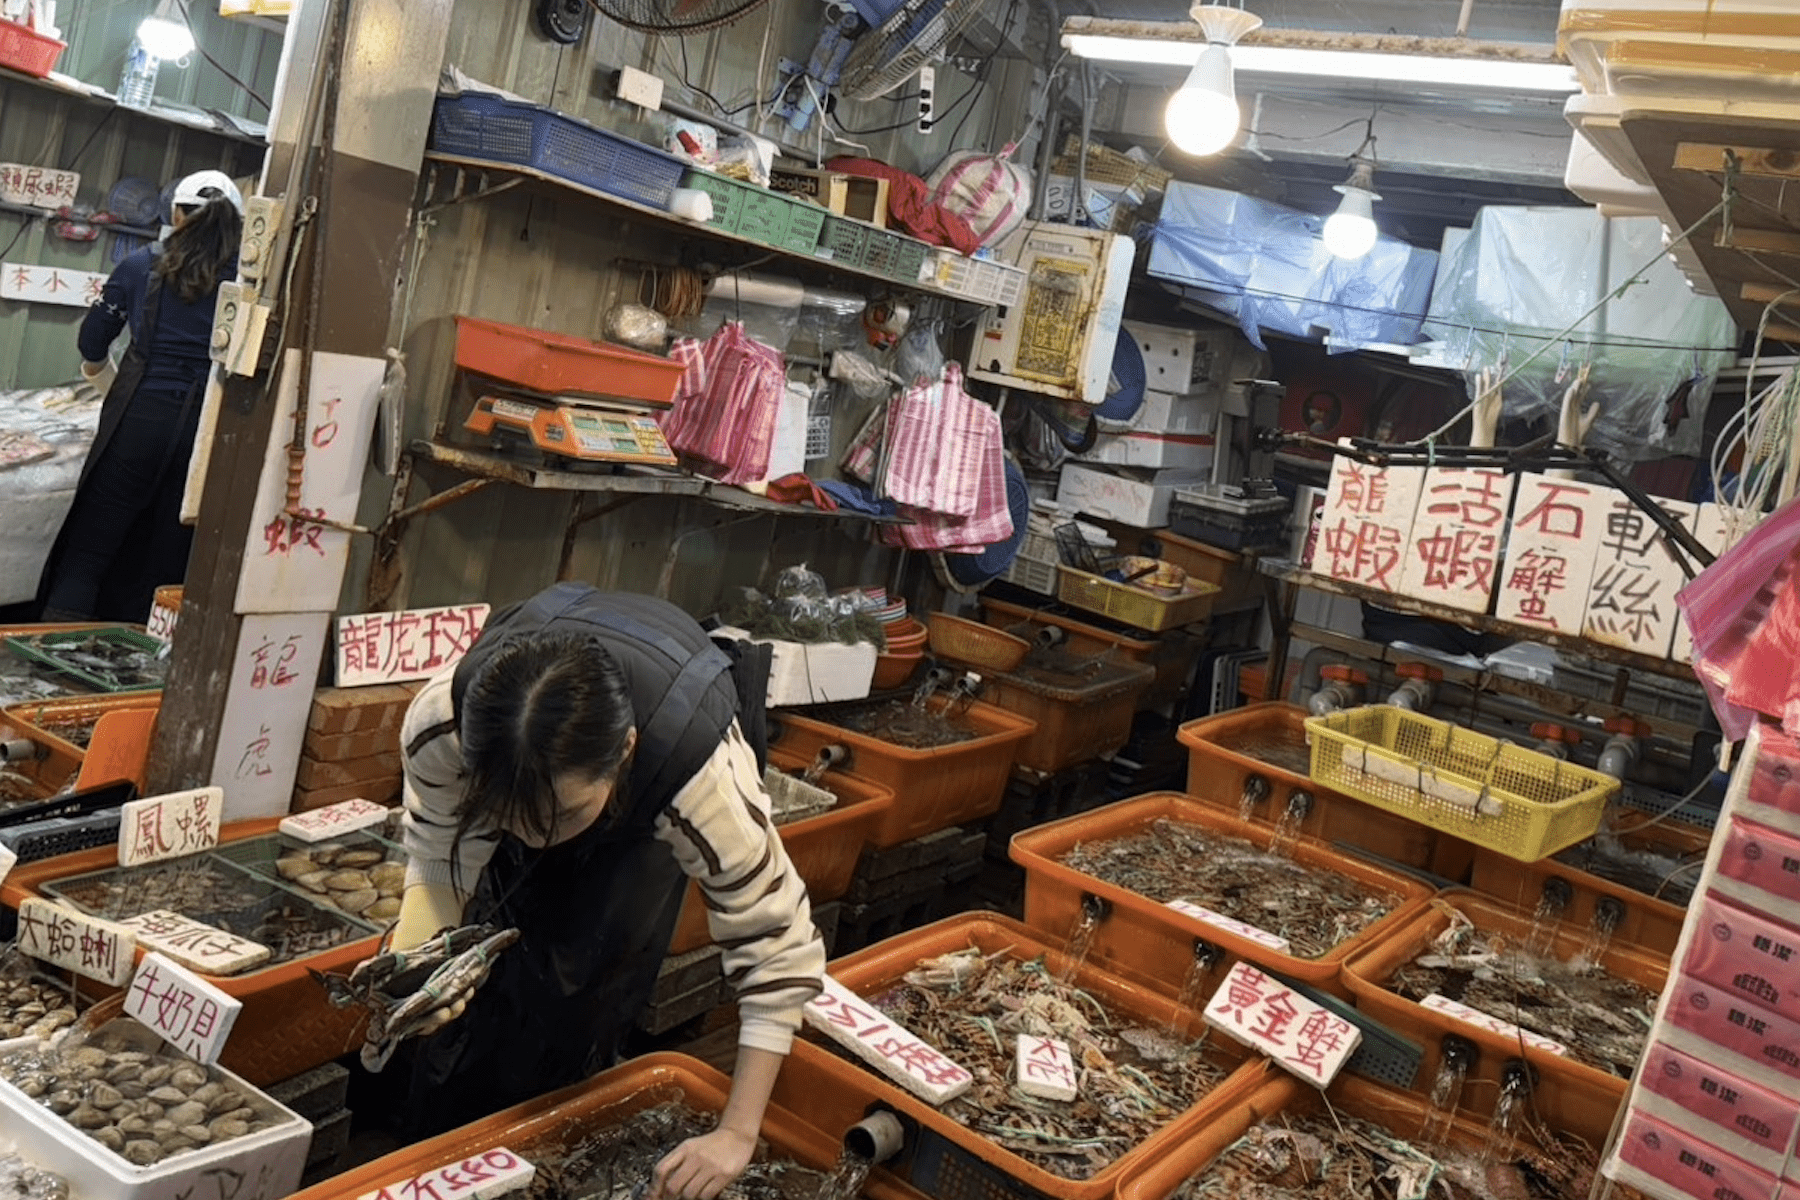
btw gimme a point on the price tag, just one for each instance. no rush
(1243, 929)
(195, 944)
(1481, 1020)
(180, 1007)
(334, 820)
(480, 1176)
(1305, 1038)
(1045, 1068)
(86, 945)
(169, 826)
(858, 1026)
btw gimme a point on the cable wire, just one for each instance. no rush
(216, 64)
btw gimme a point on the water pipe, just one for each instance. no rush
(1311, 664)
(1095, 908)
(1299, 805)
(1207, 955)
(1624, 747)
(1555, 740)
(1418, 684)
(1608, 912)
(19, 750)
(1557, 895)
(877, 1137)
(1256, 790)
(1342, 687)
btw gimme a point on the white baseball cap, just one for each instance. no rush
(202, 186)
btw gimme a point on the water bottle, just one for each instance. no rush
(139, 80)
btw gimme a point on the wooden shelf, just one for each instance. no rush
(227, 125)
(649, 481)
(701, 228)
(1289, 573)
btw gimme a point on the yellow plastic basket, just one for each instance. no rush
(1134, 605)
(1518, 802)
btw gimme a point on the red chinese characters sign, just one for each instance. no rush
(86, 945)
(480, 1176)
(181, 1008)
(170, 826)
(1550, 549)
(1367, 518)
(1454, 552)
(40, 187)
(1045, 1068)
(1631, 597)
(50, 285)
(884, 1044)
(393, 647)
(1265, 1014)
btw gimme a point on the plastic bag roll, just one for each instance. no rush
(769, 290)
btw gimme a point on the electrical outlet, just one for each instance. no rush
(239, 323)
(262, 219)
(927, 87)
(640, 88)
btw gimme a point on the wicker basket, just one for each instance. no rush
(1522, 803)
(974, 643)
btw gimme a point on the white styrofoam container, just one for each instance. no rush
(1152, 450)
(1141, 501)
(1166, 412)
(1179, 360)
(813, 673)
(267, 1163)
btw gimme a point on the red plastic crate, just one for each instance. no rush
(557, 362)
(26, 50)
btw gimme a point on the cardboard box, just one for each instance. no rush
(1749, 956)
(859, 196)
(813, 673)
(1193, 451)
(1139, 498)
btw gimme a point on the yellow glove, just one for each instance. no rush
(425, 908)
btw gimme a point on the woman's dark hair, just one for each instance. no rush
(545, 705)
(197, 254)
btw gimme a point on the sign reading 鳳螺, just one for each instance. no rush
(1265, 1014)
(394, 647)
(181, 1008)
(858, 1026)
(477, 1177)
(170, 826)
(194, 943)
(86, 945)
(334, 820)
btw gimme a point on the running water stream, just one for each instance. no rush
(1256, 790)
(1547, 916)
(847, 1178)
(1446, 1089)
(1503, 1127)
(1093, 911)
(1608, 912)
(1287, 827)
(1193, 987)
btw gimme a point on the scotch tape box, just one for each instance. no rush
(1747, 955)
(1747, 1111)
(1137, 499)
(1138, 448)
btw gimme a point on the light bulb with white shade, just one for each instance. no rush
(1202, 117)
(165, 38)
(1350, 231)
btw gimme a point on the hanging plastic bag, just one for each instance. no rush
(989, 191)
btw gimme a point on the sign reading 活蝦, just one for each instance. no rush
(396, 647)
(1454, 549)
(65, 938)
(1305, 1038)
(477, 1177)
(170, 826)
(181, 1008)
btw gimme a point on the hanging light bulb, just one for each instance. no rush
(1202, 117)
(164, 35)
(1350, 231)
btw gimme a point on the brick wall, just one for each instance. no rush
(352, 746)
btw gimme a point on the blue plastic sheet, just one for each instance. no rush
(1265, 265)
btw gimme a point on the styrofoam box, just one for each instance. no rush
(813, 673)
(1152, 450)
(1141, 499)
(1166, 412)
(1182, 360)
(268, 1162)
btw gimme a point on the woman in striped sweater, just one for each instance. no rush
(567, 779)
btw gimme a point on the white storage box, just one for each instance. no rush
(814, 672)
(1165, 412)
(265, 1165)
(1179, 361)
(1154, 450)
(1140, 498)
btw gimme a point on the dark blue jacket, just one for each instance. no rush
(177, 353)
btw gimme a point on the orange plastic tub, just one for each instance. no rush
(39, 717)
(557, 362)
(933, 789)
(823, 848)
(1078, 719)
(1156, 941)
(1400, 1113)
(286, 1026)
(1368, 972)
(539, 1129)
(1648, 924)
(1261, 749)
(55, 765)
(1172, 654)
(944, 1158)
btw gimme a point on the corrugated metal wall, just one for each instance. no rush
(45, 126)
(537, 256)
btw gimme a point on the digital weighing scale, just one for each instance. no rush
(597, 429)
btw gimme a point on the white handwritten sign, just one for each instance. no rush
(41, 187)
(1366, 523)
(394, 647)
(1243, 929)
(86, 945)
(1045, 1068)
(159, 827)
(161, 622)
(265, 709)
(1265, 1014)
(1631, 598)
(184, 1010)
(1550, 550)
(480, 1176)
(49, 285)
(194, 943)
(8, 859)
(1454, 552)
(853, 1023)
(1481, 1020)
(334, 820)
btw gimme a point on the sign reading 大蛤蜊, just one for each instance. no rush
(85, 945)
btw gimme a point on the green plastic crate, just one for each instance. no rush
(909, 260)
(763, 217)
(843, 241)
(68, 652)
(882, 253)
(805, 223)
(728, 197)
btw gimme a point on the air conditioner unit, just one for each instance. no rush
(1058, 339)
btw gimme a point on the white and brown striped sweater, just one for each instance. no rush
(720, 830)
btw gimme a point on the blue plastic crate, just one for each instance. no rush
(508, 131)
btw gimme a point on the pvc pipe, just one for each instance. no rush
(877, 1137)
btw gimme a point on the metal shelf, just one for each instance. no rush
(694, 227)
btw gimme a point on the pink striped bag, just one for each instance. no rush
(981, 447)
(989, 191)
(723, 422)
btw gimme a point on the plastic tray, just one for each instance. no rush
(1648, 924)
(37, 716)
(933, 789)
(823, 848)
(48, 649)
(1154, 940)
(1133, 605)
(510, 131)
(286, 1025)
(557, 362)
(945, 1159)
(28, 51)
(1367, 974)
(1078, 720)
(1408, 763)
(539, 1128)
(1226, 756)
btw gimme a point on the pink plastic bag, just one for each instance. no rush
(1746, 668)
(723, 422)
